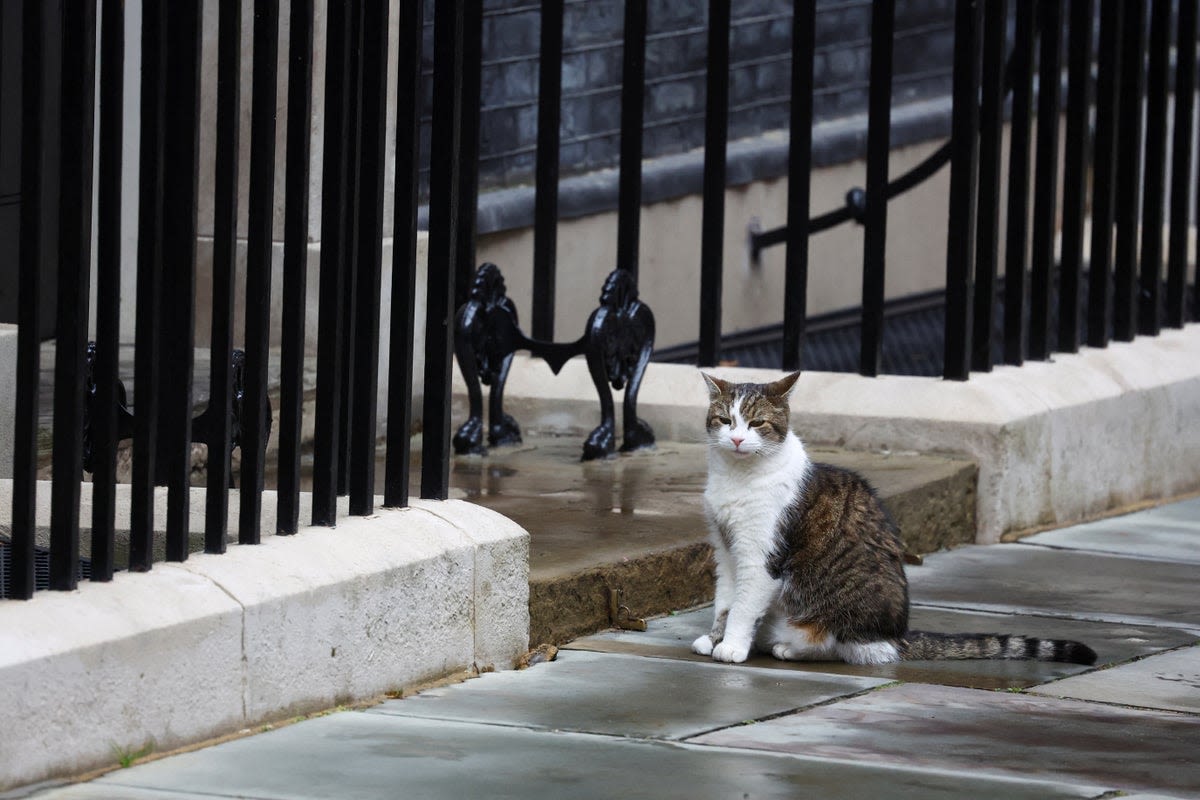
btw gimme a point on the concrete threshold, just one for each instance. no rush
(635, 524)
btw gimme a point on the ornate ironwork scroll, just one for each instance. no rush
(91, 410)
(617, 342)
(201, 424)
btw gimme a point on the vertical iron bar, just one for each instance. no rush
(147, 354)
(1150, 310)
(712, 225)
(468, 170)
(1129, 171)
(370, 250)
(295, 263)
(1016, 249)
(991, 129)
(1181, 165)
(258, 265)
(39, 256)
(331, 334)
(633, 90)
(964, 176)
(74, 277)
(225, 205)
(1104, 192)
(444, 186)
(795, 292)
(108, 289)
(350, 241)
(181, 173)
(545, 215)
(35, 256)
(404, 257)
(1045, 192)
(879, 124)
(1076, 158)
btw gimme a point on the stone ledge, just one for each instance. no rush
(1056, 442)
(219, 643)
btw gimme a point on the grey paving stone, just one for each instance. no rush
(991, 733)
(1169, 533)
(1169, 681)
(671, 637)
(627, 696)
(1027, 579)
(105, 791)
(357, 756)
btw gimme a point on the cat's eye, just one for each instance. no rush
(759, 423)
(721, 420)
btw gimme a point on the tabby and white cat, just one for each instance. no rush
(809, 564)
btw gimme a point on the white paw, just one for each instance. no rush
(703, 645)
(782, 652)
(730, 653)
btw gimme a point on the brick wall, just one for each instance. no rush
(760, 48)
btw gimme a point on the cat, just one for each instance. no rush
(809, 564)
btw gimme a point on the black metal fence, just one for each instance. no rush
(1117, 55)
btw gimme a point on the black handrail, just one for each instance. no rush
(855, 207)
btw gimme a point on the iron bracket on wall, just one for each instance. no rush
(201, 424)
(617, 342)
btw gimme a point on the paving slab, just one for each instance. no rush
(1169, 681)
(1028, 579)
(628, 696)
(105, 791)
(991, 733)
(1169, 533)
(671, 637)
(359, 756)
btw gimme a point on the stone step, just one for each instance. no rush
(635, 523)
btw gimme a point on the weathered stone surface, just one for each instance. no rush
(671, 637)
(1168, 681)
(1169, 533)
(990, 733)
(627, 696)
(356, 756)
(1027, 579)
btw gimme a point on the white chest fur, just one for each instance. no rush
(746, 496)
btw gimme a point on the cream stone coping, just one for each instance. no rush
(1055, 441)
(221, 643)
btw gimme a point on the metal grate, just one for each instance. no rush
(913, 332)
(41, 568)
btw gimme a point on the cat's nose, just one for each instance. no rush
(736, 442)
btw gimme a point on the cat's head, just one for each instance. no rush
(748, 419)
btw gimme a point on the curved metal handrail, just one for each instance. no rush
(855, 206)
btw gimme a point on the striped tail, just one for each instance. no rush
(924, 646)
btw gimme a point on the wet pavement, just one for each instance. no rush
(627, 714)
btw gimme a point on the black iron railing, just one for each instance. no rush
(1055, 298)
(1127, 47)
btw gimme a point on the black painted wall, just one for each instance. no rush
(675, 62)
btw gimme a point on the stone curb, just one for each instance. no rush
(220, 643)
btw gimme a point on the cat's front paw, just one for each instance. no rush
(731, 653)
(703, 645)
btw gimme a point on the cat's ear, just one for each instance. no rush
(783, 386)
(716, 386)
